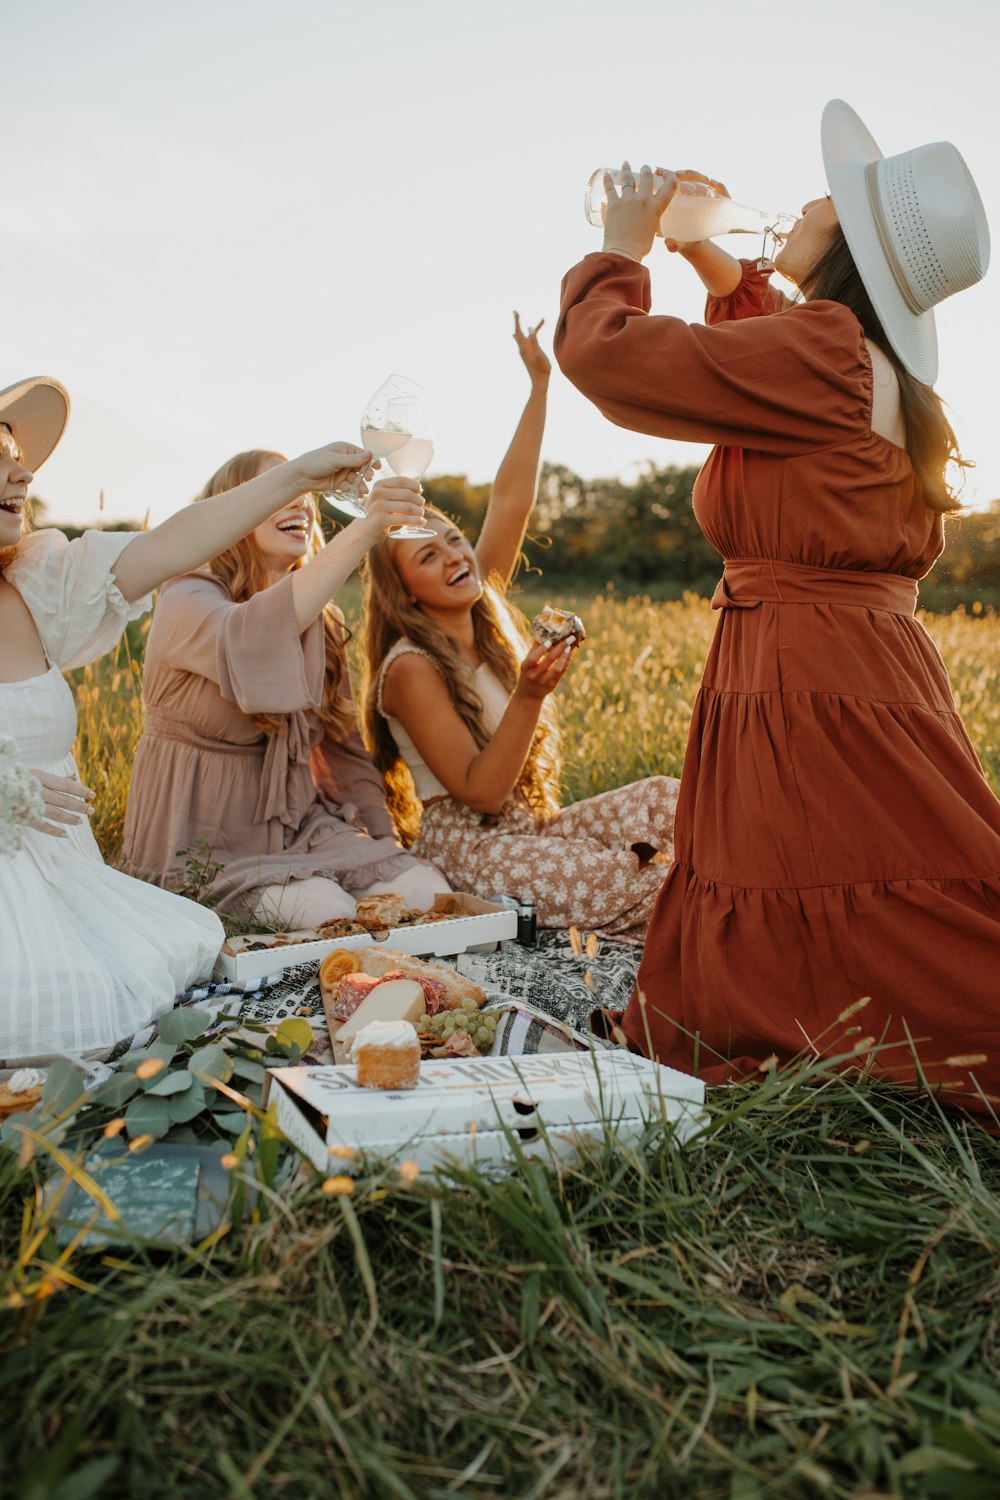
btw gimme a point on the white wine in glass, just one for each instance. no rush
(388, 425)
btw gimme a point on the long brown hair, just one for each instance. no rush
(930, 441)
(501, 638)
(244, 572)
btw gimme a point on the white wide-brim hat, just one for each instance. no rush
(36, 411)
(915, 225)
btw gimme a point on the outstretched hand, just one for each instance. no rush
(533, 356)
(632, 217)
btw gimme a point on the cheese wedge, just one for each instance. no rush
(394, 1000)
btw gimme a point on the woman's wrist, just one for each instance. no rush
(612, 249)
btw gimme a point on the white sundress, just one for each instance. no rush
(88, 955)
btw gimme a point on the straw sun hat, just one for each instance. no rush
(36, 411)
(914, 224)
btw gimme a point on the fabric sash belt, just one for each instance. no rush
(747, 583)
(280, 754)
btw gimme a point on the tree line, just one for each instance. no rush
(640, 535)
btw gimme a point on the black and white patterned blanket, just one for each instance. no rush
(548, 976)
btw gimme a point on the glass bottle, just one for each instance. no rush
(695, 212)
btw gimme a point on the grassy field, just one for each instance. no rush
(803, 1301)
(625, 706)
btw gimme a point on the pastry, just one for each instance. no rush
(386, 910)
(387, 1055)
(22, 1091)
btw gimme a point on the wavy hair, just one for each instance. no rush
(244, 572)
(930, 440)
(501, 637)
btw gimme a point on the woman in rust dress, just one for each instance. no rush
(836, 884)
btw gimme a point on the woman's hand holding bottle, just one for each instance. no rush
(632, 217)
(690, 175)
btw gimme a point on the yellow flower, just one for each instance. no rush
(113, 1128)
(409, 1171)
(230, 1160)
(338, 1187)
(345, 1153)
(141, 1142)
(150, 1067)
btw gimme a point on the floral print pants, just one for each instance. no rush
(580, 868)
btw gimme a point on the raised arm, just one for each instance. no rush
(200, 532)
(415, 693)
(515, 487)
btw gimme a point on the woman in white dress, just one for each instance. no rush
(89, 955)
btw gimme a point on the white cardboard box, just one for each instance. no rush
(461, 1110)
(481, 928)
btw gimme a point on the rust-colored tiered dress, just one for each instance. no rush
(836, 838)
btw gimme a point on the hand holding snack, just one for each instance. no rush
(553, 625)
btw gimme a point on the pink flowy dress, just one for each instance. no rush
(210, 786)
(88, 955)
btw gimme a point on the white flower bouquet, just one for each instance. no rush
(20, 796)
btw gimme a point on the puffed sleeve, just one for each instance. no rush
(77, 606)
(253, 652)
(346, 776)
(755, 297)
(782, 385)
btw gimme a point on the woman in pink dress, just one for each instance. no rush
(250, 765)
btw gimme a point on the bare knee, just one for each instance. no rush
(418, 886)
(303, 903)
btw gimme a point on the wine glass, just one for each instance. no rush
(387, 427)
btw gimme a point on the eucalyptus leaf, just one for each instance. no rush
(295, 1032)
(171, 1083)
(146, 1116)
(163, 1050)
(183, 1024)
(116, 1090)
(64, 1086)
(189, 1105)
(211, 1062)
(243, 1067)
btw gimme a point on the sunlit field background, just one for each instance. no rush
(625, 705)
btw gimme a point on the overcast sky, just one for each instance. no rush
(225, 222)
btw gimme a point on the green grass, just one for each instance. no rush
(803, 1301)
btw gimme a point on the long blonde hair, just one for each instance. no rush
(244, 572)
(501, 638)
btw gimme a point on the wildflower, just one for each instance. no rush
(229, 1160)
(113, 1128)
(344, 1153)
(408, 1171)
(150, 1067)
(141, 1142)
(338, 1187)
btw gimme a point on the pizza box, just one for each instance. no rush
(471, 1111)
(479, 927)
